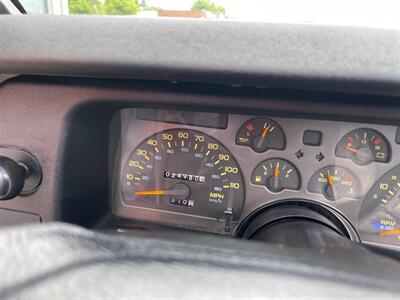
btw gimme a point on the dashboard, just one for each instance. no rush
(273, 160)
(216, 172)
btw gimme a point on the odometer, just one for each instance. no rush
(186, 172)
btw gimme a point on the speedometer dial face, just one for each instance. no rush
(364, 146)
(379, 219)
(185, 172)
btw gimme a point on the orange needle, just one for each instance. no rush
(276, 173)
(354, 150)
(331, 181)
(154, 192)
(265, 132)
(390, 232)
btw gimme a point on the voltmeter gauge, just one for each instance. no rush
(276, 174)
(364, 146)
(379, 218)
(334, 183)
(261, 134)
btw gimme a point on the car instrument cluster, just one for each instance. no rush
(212, 172)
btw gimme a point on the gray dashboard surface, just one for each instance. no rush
(352, 59)
(181, 266)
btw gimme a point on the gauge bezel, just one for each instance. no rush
(247, 159)
(336, 217)
(291, 164)
(281, 144)
(355, 179)
(377, 133)
(158, 202)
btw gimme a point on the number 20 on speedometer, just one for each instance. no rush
(184, 171)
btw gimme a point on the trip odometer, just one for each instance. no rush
(185, 172)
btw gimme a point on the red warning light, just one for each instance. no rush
(350, 138)
(378, 141)
(250, 127)
(348, 178)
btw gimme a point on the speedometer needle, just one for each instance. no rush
(153, 192)
(176, 192)
(390, 232)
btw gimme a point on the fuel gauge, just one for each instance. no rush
(276, 174)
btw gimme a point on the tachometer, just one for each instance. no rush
(379, 219)
(187, 172)
(364, 146)
(334, 183)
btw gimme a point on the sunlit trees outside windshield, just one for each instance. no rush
(206, 5)
(103, 7)
(131, 7)
(87, 7)
(120, 7)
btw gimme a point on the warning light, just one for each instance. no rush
(250, 127)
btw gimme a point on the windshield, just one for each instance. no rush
(374, 13)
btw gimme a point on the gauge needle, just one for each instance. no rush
(177, 192)
(390, 232)
(154, 192)
(330, 180)
(276, 173)
(265, 132)
(351, 149)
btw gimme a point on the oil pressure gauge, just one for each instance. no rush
(276, 174)
(261, 134)
(364, 146)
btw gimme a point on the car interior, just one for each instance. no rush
(188, 157)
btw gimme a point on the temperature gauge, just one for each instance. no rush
(261, 134)
(364, 146)
(276, 174)
(334, 183)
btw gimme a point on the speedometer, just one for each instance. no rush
(184, 172)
